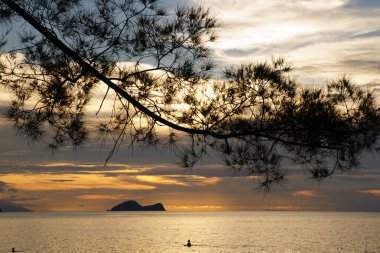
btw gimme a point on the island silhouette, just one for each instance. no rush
(132, 205)
(11, 207)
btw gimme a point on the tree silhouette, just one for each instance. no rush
(157, 66)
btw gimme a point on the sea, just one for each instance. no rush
(269, 231)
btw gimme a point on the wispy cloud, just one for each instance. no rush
(163, 180)
(331, 37)
(102, 197)
(363, 4)
(52, 182)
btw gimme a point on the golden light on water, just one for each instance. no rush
(284, 208)
(187, 208)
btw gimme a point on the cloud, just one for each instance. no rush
(102, 197)
(323, 38)
(51, 182)
(70, 167)
(363, 4)
(235, 52)
(163, 180)
(375, 33)
(180, 180)
(115, 169)
(306, 193)
(258, 30)
(62, 180)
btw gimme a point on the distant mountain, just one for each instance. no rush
(132, 205)
(10, 207)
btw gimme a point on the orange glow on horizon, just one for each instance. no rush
(374, 192)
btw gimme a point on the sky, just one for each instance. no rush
(323, 40)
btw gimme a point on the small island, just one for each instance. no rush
(9, 207)
(132, 205)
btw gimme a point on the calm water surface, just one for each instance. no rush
(209, 232)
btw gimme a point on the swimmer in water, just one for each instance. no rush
(188, 243)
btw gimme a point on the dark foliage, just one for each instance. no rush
(155, 64)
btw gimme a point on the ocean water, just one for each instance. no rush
(209, 232)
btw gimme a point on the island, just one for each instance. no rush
(132, 205)
(10, 207)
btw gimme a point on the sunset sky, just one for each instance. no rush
(324, 39)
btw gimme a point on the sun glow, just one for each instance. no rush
(268, 34)
(162, 180)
